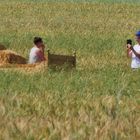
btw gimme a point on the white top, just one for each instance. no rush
(135, 60)
(33, 58)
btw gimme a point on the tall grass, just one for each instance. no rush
(98, 100)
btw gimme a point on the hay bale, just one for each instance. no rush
(2, 47)
(10, 57)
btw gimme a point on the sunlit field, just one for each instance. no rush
(100, 100)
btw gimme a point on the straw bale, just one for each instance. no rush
(10, 57)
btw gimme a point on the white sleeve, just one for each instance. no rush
(137, 49)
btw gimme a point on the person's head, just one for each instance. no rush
(38, 42)
(138, 37)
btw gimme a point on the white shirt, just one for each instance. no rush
(33, 58)
(135, 60)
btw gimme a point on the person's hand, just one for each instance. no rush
(43, 46)
(129, 46)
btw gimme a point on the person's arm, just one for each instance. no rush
(129, 51)
(40, 55)
(136, 53)
(43, 49)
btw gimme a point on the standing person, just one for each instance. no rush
(134, 52)
(37, 52)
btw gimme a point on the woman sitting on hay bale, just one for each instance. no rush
(37, 52)
(8, 57)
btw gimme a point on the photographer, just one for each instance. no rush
(134, 52)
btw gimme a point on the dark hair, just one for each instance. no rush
(37, 40)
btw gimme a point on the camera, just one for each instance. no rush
(129, 41)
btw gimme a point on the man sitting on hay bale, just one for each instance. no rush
(37, 52)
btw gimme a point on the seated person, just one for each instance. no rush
(134, 52)
(37, 52)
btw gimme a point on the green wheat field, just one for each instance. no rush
(100, 100)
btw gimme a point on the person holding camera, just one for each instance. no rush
(134, 52)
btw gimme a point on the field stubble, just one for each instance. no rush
(98, 100)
